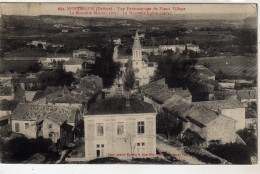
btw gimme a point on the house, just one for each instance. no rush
(183, 93)
(6, 108)
(6, 92)
(225, 95)
(73, 65)
(150, 50)
(68, 100)
(230, 108)
(225, 84)
(27, 86)
(157, 93)
(174, 48)
(120, 127)
(200, 125)
(117, 41)
(54, 122)
(84, 53)
(51, 92)
(247, 96)
(204, 73)
(54, 59)
(193, 47)
(5, 77)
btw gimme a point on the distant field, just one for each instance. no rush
(233, 66)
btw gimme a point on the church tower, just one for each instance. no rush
(137, 49)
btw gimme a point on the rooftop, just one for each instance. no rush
(50, 92)
(26, 111)
(118, 106)
(182, 92)
(205, 71)
(201, 115)
(219, 104)
(64, 55)
(157, 90)
(67, 98)
(5, 91)
(74, 61)
(247, 94)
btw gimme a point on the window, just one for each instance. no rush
(120, 128)
(26, 125)
(100, 150)
(100, 129)
(17, 128)
(49, 126)
(140, 147)
(140, 127)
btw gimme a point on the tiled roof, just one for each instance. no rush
(180, 110)
(67, 98)
(173, 101)
(201, 115)
(182, 92)
(202, 70)
(247, 94)
(74, 61)
(219, 104)
(157, 91)
(39, 94)
(51, 92)
(118, 106)
(7, 105)
(58, 114)
(91, 84)
(5, 91)
(225, 93)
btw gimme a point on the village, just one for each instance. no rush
(80, 108)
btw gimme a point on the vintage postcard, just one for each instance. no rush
(108, 83)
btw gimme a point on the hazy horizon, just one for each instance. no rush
(191, 12)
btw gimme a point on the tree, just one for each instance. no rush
(105, 67)
(56, 78)
(35, 67)
(129, 76)
(250, 140)
(232, 152)
(19, 149)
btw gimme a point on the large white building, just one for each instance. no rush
(143, 69)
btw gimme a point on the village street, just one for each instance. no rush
(177, 152)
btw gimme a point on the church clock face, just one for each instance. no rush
(136, 70)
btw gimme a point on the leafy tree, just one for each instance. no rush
(129, 76)
(250, 140)
(232, 152)
(105, 67)
(35, 67)
(19, 149)
(56, 78)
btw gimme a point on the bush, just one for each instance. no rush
(232, 152)
(19, 149)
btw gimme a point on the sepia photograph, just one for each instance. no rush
(129, 83)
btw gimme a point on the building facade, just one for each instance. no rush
(120, 133)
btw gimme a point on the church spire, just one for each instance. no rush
(137, 44)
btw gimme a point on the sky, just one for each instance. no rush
(34, 9)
